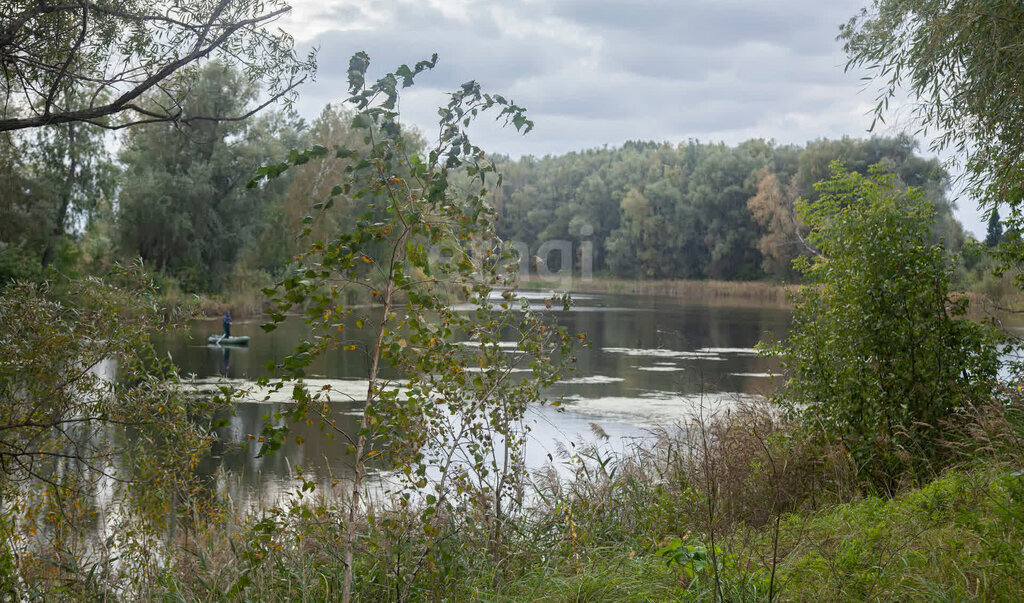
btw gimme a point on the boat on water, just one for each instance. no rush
(222, 340)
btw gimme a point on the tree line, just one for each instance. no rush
(172, 193)
(697, 210)
(175, 195)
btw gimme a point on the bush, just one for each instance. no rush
(880, 355)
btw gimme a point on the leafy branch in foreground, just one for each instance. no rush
(962, 62)
(444, 356)
(92, 425)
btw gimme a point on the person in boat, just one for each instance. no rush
(227, 323)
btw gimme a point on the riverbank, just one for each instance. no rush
(249, 302)
(737, 293)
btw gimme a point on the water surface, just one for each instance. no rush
(651, 362)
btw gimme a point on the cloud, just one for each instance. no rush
(714, 24)
(599, 72)
(681, 69)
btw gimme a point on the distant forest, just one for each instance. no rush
(176, 196)
(696, 210)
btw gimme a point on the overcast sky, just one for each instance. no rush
(594, 73)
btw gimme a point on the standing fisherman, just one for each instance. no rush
(227, 323)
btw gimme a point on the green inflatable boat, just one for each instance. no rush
(221, 340)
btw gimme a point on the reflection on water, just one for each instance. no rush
(651, 361)
(225, 362)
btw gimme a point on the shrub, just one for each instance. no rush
(880, 355)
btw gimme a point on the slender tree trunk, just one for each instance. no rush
(65, 201)
(499, 517)
(360, 452)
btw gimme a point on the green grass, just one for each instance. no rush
(609, 574)
(959, 537)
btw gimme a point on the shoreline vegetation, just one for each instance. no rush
(1003, 302)
(738, 507)
(250, 302)
(739, 293)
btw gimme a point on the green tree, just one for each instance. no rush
(314, 181)
(183, 204)
(452, 432)
(72, 174)
(19, 231)
(632, 253)
(56, 179)
(994, 233)
(719, 187)
(961, 62)
(879, 355)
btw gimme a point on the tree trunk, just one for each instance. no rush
(65, 200)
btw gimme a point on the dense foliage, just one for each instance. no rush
(879, 355)
(183, 206)
(97, 439)
(694, 210)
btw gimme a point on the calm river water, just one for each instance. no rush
(652, 361)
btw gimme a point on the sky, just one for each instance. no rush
(593, 73)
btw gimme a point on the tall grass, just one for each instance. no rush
(753, 293)
(738, 505)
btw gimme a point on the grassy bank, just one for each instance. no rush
(247, 300)
(954, 539)
(740, 293)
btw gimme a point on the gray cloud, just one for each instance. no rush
(594, 72)
(481, 48)
(685, 65)
(714, 23)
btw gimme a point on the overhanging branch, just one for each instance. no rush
(34, 77)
